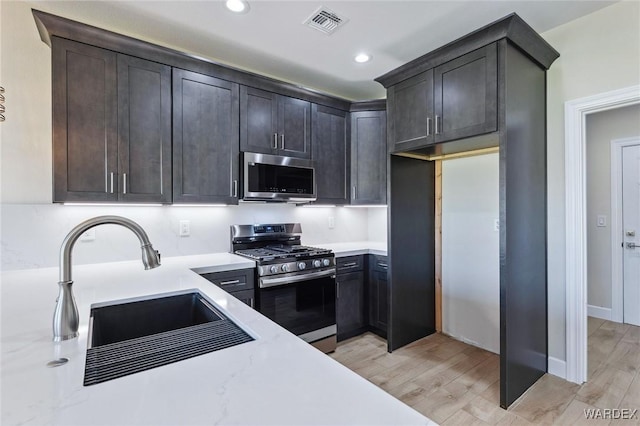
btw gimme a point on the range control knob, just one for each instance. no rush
(273, 269)
(326, 262)
(285, 268)
(316, 263)
(302, 265)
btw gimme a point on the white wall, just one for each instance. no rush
(470, 251)
(602, 128)
(599, 52)
(32, 233)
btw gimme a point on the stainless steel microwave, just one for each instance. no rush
(277, 178)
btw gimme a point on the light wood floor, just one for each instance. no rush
(456, 384)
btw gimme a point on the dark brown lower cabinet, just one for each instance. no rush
(361, 295)
(350, 317)
(378, 295)
(239, 284)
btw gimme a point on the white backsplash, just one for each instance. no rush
(32, 233)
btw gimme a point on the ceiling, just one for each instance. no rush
(271, 40)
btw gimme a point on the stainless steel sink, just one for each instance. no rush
(130, 336)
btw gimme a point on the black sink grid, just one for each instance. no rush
(132, 337)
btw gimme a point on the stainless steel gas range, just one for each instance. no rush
(295, 284)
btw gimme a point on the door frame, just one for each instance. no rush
(617, 255)
(576, 112)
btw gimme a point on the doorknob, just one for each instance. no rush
(632, 245)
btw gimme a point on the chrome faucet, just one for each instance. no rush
(65, 316)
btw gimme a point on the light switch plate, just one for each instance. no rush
(601, 221)
(185, 228)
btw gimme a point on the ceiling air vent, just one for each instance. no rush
(325, 20)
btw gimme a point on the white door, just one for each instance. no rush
(631, 229)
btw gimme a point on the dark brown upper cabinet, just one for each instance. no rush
(455, 100)
(274, 124)
(112, 126)
(144, 130)
(85, 123)
(331, 154)
(368, 157)
(466, 95)
(205, 139)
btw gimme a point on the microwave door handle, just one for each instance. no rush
(272, 282)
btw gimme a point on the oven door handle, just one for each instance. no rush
(272, 282)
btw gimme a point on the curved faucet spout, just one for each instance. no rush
(65, 316)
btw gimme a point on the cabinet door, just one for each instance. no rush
(410, 113)
(85, 139)
(205, 139)
(294, 127)
(144, 130)
(349, 304)
(368, 157)
(378, 290)
(331, 154)
(466, 102)
(258, 121)
(245, 296)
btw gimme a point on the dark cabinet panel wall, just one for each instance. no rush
(368, 157)
(491, 81)
(331, 154)
(205, 139)
(144, 130)
(85, 117)
(112, 126)
(274, 124)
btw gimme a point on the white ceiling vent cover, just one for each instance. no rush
(325, 20)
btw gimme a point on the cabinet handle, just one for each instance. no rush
(275, 141)
(229, 282)
(350, 264)
(354, 192)
(234, 191)
(383, 265)
(251, 304)
(282, 141)
(437, 126)
(124, 183)
(428, 126)
(111, 174)
(337, 290)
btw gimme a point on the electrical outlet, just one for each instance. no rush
(332, 222)
(185, 228)
(88, 235)
(496, 225)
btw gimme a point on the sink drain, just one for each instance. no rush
(57, 362)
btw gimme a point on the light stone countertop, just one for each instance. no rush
(356, 248)
(275, 380)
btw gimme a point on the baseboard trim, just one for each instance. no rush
(599, 312)
(557, 367)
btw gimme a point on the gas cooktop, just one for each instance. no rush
(272, 252)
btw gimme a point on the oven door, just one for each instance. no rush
(304, 304)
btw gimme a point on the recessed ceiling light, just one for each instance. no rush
(238, 6)
(362, 58)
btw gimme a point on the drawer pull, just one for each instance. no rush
(350, 264)
(383, 265)
(230, 282)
